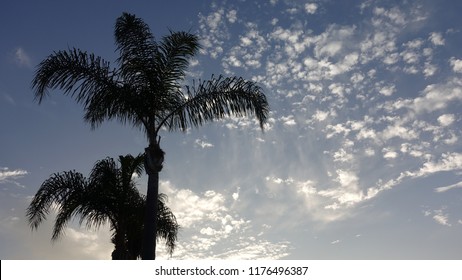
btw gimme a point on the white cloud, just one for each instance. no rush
(232, 16)
(342, 156)
(203, 144)
(214, 32)
(448, 162)
(369, 152)
(456, 64)
(320, 115)
(311, 8)
(452, 140)
(450, 187)
(388, 90)
(446, 119)
(441, 218)
(347, 194)
(394, 15)
(399, 131)
(337, 129)
(330, 42)
(438, 96)
(6, 175)
(288, 120)
(429, 69)
(213, 229)
(436, 39)
(389, 153)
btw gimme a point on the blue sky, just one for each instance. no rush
(361, 157)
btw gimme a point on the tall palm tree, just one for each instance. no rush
(145, 91)
(109, 194)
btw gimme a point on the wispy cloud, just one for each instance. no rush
(8, 99)
(450, 187)
(22, 58)
(438, 216)
(7, 175)
(203, 144)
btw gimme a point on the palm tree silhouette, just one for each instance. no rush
(109, 194)
(146, 91)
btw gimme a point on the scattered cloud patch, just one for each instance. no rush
(288, 120)
(203, 144)
(215, 230)
(436, 39)
(446, 119)
(456, 64)
(441, 218)
(311, 8)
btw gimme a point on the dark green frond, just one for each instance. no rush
(76, 73)
(216, 99)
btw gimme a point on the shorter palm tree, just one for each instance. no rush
(108, 195)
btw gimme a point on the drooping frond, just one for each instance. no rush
(76, 73)
(167, 226)
(104, 174)
(216, 99)
(122, 105)
(61, 189)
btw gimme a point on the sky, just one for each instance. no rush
(361, 157)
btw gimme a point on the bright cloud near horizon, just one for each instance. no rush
(361, 157)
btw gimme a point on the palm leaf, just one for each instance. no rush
(61, 189)
(218, 98)
(76, 73)
(176, 49)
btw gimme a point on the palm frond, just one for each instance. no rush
(138, 50)
(62, 189)
(133, 38)
(216, 99)
(176, 49)
(130, 165)
(123, 104)
(167, 226)
(76, 73)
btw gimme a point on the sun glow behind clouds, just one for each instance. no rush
(216, 230)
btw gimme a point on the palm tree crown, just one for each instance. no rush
(109, 194)
(145, 91)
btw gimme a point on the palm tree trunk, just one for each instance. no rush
(154, 158)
